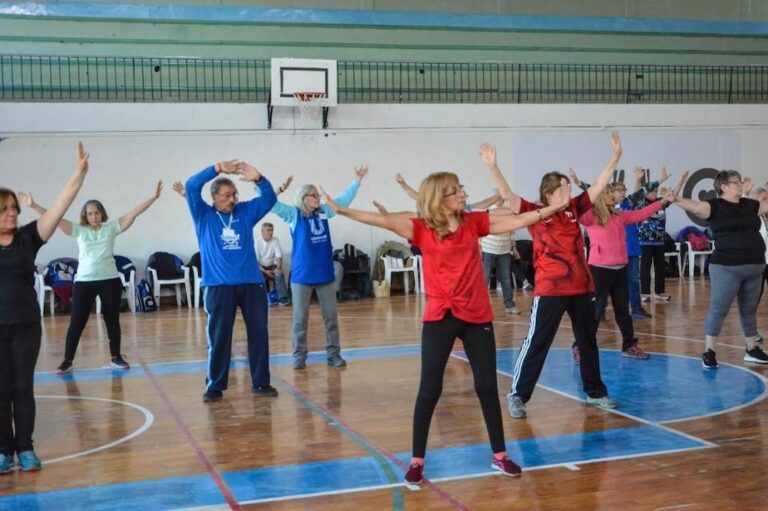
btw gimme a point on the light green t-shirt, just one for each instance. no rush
(96, 259)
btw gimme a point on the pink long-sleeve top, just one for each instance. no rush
(608, 243)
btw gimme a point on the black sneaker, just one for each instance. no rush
(65, 367)
(708, 360)
(265, 391)
(118, 362)
(212, 395)
(756, 355)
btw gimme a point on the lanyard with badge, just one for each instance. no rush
(227, 232)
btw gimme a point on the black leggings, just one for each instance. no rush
(19, 347)
(437, 338)
(652, 255)
(83, 297)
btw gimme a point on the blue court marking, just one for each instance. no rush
(662, 388)
(354, 474)
(199, 366)
(360, 17)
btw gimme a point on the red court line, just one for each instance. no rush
(206, 462)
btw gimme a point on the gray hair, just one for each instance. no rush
(301, 194)
(219, 182)
(757, 191)
(722, 178)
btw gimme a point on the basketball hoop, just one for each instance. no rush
(310, 104)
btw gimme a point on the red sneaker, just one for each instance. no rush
(414, 476)
(506, 466)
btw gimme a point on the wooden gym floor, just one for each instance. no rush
(683, 437)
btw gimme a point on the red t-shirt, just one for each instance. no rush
(453, 271)
(558, 250)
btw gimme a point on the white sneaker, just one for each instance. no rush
(663, 297)
(527, 285)
(603, 402)
(512, 310)
(516, 407)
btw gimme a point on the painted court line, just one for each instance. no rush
(149, 419)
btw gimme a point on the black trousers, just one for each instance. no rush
(616, 284)
(652, 255)
(19, 348)
(83, 297)
(546, 313)
(437, 338)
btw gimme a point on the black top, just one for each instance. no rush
(18, 301)
(736, 230)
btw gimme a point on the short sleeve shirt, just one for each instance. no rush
(96, 251)
(453, 272)
(558, 250)
(736, 231)
(18, 300)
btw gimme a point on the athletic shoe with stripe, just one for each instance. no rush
(506, 466)
(756, 355)
(414, 476)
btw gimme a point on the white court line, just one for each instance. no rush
(149, 419)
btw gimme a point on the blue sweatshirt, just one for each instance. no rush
(226, 239)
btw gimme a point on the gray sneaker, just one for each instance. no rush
(516, 407)
(299, 363)
(336, 361)
(603, 402)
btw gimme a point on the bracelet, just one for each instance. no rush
(539, 212)
(217, 168)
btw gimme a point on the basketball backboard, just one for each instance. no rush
(290, 76)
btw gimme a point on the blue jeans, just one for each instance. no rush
(633, 274)
(503, 264)
(279, 283)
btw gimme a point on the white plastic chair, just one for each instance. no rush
(691, 259)
(397, 265)
(418, 263)
(196, 279)
(676, 254)
(41, 289)
(176, 283)
(129, 288)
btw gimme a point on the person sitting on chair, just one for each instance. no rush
(271, 261)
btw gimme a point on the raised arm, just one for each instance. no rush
(488, 155)
(178, 187)
(413, 194)
(575, 180)
(127, 219)
(605, 175)
(398, 224)
(487, 202)
(699, 208)
(384, 211)
(26, 200)
(500, 224)
(48, 221)
(283, 187)
(194, 185)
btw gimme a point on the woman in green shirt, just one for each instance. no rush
(96, 272)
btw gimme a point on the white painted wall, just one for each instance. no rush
(133, 145)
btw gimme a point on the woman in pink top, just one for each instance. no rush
(608, 261)
(458, 304)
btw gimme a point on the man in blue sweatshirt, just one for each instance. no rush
(232, 277)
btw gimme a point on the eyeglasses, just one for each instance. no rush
(619, 189)
(457, 190)
(313, 195)
(736, 182)
(229, 195)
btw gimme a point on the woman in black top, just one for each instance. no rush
(20, 330)
(737, 263)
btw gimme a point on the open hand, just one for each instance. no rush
(488, 154)
(361, 171)
(82, 158)
(329, 201)
(178, 187)
(249, 172)
(25, 199)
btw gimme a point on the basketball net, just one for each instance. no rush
(310, 104)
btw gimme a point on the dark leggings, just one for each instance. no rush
(83, 297)
(652, 255)
(437, 338)
(19, 347)
(614, 283)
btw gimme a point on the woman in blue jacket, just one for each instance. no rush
(312, 265)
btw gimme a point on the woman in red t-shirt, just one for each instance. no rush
(563, 283)
(458, 304)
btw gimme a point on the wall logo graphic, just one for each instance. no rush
(700, 186)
